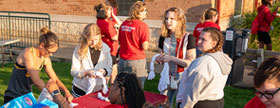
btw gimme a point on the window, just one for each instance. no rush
(124, 6)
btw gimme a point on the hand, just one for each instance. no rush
(159, 59)
(51, 86)
(102, 71)
(112, 12)
(69, 97)
(167, 58)
(90, 74)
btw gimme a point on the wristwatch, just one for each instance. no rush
(55, 92)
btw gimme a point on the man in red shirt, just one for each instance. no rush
(134, 40)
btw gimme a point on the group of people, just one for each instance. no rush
(196, 62)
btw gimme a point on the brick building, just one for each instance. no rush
(70, 16)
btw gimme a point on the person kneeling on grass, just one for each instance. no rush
(267, 85)
(28, 65)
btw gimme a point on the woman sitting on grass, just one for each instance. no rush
(28, 65)
(89, 57)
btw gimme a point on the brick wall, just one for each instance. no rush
(192, 8)
(248, 6)
(61, 7)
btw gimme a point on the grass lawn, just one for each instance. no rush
(234, 97)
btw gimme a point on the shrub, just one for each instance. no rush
(245, 20)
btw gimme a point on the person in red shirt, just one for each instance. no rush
(177, 47)
(109, 30)
(208, 19)
(264, 24)
(267, 85)
(134, 40)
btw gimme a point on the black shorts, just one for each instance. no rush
(264, 37)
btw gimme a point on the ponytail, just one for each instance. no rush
(48, 38)
(217, 36)
(208, 14)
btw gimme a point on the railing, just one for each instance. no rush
(24, 26)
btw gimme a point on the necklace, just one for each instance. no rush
(91, 50)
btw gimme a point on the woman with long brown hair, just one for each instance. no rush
(109, 30)
(89, 57)
(202, 83)
(177, 47)
(134, 40)
(28, 65)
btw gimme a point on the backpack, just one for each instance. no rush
(255, 23)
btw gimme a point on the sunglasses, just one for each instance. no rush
(267, 95)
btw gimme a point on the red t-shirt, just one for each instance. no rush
(255, 103)
(199, 27)
(132, 34)
(108, 31)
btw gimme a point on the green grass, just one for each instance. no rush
(234, 97)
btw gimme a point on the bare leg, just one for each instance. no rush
(268, 46)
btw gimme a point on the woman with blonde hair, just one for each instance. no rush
(177, 47)
(202, 84)
(89, 57)
(109, 30)
(208, 19)
(134, 40)
(28, 65)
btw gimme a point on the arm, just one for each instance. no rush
(52, 75)
(34, 74)
(108, 64)
(76, 66)
(269, 17)
(145, 37)
(190, 56)
(145, 45)
(59, 99)
(115, 18)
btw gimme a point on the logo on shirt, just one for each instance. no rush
(127, 28)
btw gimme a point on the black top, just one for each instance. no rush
(191, 42)
(94, 55)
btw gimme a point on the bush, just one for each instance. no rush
(245, 21)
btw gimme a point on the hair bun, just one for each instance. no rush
(44, 30)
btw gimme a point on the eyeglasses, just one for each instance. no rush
(267, 95)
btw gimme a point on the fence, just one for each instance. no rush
(24, 26)
(254, 57)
